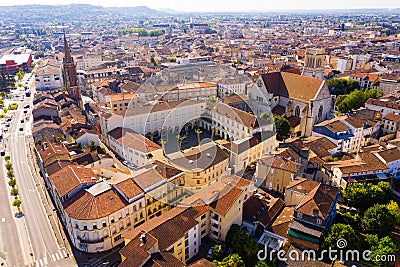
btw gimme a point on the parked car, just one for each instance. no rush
(210, 253)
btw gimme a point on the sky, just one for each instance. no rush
(224, 5)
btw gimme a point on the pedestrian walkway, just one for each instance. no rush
(59, 255)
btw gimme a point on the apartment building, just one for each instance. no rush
(152, 118)
(231, 123)
(180, 231)
(48, 75)
(350, 134)
(133, 147)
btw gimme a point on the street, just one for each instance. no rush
(31, 239)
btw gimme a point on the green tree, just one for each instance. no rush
(7, 158)
(12, 182)
(356, 99)
(14, 191)
(394, 209)
(385, 246)
(6, 80)
(233, 260)
(365, 195)
(79, 147)
(218, 253)
(378, 220)
(17, 203)
(20, 74)
(242, 243)
(10, 174)
(282, 127)
(339, 231)
(8, 165)
(101, 150)
(92, 146)
(261, 264)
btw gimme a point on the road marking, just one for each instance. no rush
(65, 253)
(57, 256)
(3, 220)
(53, 258)
(45, 261)
(40, 262)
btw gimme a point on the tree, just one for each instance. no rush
(385, 246)
(261, 264)
(60, 138)
(394, 209)
(101, 150)
(20, 74)
(8, 165)
(365, 195)
(266, 116)
(180, 139)
(79, 147)
(14, 191)
(198, 132)
(282, 127)
(12, 182)
(342, 86)
(17, 203)
(92, 146)
(10, 174)
(378, 220)
(233, 260)
(7, 158)
(218, 253)
(356, 99)
(242, 243)
(6, 80)
(339, 231)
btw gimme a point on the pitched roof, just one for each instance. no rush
(170, 226)
(280, 225)
(85, 206)
(291, 85)
(129, 188)
(131, 139)
(147, 178)
(48, 149)
(256, 209)
(70, 177)
(227, 198)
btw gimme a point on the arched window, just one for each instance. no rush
(297, 112)
(320, 111)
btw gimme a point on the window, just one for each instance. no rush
(180, 252)
(117, 238)
(299, 215)
(297, 112)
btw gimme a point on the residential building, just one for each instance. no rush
(315, 210)
(275, 172)
(390, 123)
(133, 147)
(350, 134)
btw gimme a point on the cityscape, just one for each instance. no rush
(216, 134)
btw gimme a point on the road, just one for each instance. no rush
(42, 241)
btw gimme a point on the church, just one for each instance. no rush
(69, 75)
(303, 100)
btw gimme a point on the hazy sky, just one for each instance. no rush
(225, 5)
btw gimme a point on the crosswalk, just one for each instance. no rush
(59, 255)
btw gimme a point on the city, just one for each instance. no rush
(177, 135)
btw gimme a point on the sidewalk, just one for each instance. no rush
(51, 212)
